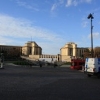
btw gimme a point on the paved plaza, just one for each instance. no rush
(47, 83)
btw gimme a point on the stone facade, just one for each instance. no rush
(31, 48)
(70, 50)
(33, 51)
(11, 51)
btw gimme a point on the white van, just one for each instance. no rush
(92, 66)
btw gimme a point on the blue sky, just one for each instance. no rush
(50, 23)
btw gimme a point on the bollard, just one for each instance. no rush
(2, 60)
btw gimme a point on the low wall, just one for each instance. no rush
(65, 58)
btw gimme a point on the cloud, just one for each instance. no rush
(76, 2)
(10, 26)
(71, 2)
(68, 3)
(96, 35)
(24, 4)
(55, 5)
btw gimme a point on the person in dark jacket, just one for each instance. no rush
(40, 63)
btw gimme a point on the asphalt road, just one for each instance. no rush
(47, 83)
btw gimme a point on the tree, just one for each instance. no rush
(87, 53)
(97, 51)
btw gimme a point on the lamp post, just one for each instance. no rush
(90, 16)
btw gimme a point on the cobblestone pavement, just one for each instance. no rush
(47, 83)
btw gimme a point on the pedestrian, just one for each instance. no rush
(40, 63)
(83, 68)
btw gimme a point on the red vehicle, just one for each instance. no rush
(77, 63)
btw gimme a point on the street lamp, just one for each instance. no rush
(90, 16)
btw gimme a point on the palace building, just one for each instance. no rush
(70, 50)
(32, 50)
(11, 51)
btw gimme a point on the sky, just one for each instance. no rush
(50, 23)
